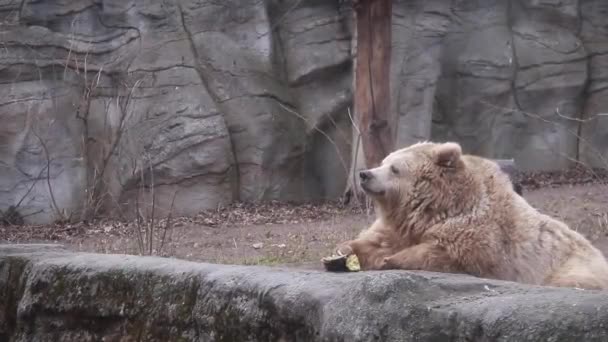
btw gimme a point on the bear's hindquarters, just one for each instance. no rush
(589, 273)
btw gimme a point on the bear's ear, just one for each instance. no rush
(447, 154)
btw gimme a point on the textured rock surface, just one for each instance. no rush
(49, 294)
(211, 102)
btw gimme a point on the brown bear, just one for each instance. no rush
(439, 210)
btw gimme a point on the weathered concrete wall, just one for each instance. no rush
(47, 294)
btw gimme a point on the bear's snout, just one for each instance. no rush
(371, 182)
(365, 175)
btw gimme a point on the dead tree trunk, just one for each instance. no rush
(372, 87)
(374, 120)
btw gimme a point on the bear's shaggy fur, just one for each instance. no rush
(439, 210)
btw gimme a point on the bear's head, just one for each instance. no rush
(428, 177)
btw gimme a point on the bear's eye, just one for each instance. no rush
(394, 170)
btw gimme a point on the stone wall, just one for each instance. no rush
(48, 294)
(199, 103)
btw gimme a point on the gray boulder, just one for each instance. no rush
(52, 294)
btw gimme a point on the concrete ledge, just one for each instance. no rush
(49, 294)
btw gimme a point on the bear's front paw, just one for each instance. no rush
(344, 250)
(385, 264)
(389, 263)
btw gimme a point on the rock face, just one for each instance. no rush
(50, 294)
(108, 105)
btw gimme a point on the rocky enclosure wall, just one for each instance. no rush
(47, 294)
(205, 102)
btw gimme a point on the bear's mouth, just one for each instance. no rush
(370, 191)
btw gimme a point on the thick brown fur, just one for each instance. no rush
(440, 210)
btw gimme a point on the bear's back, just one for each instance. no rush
(541, 249)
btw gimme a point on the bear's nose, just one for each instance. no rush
(365, 175)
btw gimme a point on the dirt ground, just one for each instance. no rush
(277, 234)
